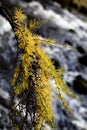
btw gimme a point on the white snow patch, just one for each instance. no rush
(68, 21)
(4, 25)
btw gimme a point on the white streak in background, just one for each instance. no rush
(66, 21)
(81, 124)
(78, 111)
(4, 94)
(4, 25)
(69, 76)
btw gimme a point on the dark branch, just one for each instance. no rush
(6, 14)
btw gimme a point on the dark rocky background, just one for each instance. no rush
(67, 24)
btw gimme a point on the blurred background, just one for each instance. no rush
(67, 24)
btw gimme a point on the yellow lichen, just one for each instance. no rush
(34, 71)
